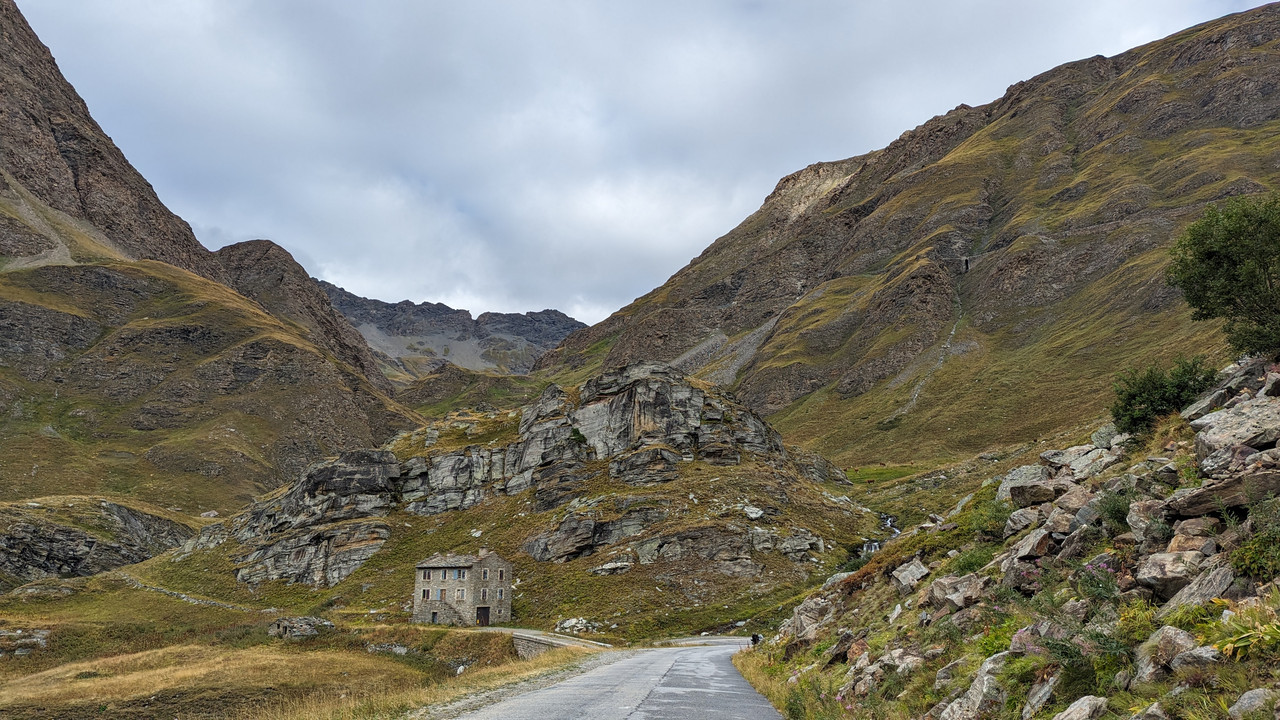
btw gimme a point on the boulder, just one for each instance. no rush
(1074, 499)
(1203, 656)
(985, 695)
(1025, 475)
(1198, 527)
(809, 617)
(1060, 522)
(1153, 657)
(907, 576)
(1167, 573)
(1214, 581)
(1094, 463)
(1153, 712)
(967, 591)
(1025, 494)
(296, 628)
(1039, 694)
(1255, 423)
(936, 594)
(1141, 514)
(1086, 708)
(1254, 702)
(613, 567)
(1104, 436)
(1231, 491)
(1206, 404)
(1037, 543)
(946, 674)
(1064, 458)
(1191, 543)
(1020, 520)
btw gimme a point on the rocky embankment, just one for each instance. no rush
(1143, 579)
(633, 428)
(77, 537)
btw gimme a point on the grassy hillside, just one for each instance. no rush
(142, 380)
(981, 279)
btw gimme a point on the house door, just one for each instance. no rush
(482, 616)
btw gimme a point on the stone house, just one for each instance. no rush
(462, 589)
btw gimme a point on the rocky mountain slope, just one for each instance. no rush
(56, 155)
(133, 361)
(638, 478)
(266, 272)
(912, 302)
(1101, 581)
(415, 339)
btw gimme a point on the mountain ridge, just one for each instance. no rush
(415, 338)
(841, 306)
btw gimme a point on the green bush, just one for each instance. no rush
(1227, 265)
(988, 518)
(1259, 556)
(1144, 396)
(1113, 506)
(971, 560)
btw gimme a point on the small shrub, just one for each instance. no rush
(1259, 556)
(988, 518)
(1113, 506)
(1097, 580)
(1159, 530)
(1189, 617)
(971, 560)
(995, 638)
(1136, 623)
(1144, 396)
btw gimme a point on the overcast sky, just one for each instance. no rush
(515, 156)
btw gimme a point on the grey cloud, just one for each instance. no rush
(521, 155)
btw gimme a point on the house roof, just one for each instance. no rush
(449, 560)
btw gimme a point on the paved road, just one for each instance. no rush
(660, 684)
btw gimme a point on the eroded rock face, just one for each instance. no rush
(320, 530)
(36, 543)
(330, 522)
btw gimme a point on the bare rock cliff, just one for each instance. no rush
(56, 152)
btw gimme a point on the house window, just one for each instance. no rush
(484, 574)
(424, 593)
(426, 574)
(500, 592)
(440, 594)
(484, 593)
(462, 593)
(501, 573)
(462, 574)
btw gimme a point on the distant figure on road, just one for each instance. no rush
(756, 639)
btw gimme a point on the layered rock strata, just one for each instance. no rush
(635, 426)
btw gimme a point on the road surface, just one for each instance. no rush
(659, 684)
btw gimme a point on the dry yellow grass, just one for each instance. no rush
(334, 706)
(261, 683)
(191, 667)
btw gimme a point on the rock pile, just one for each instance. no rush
(1166, 530)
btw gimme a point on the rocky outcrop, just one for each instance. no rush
(65, 537)
(418, 337)
(327, 524)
